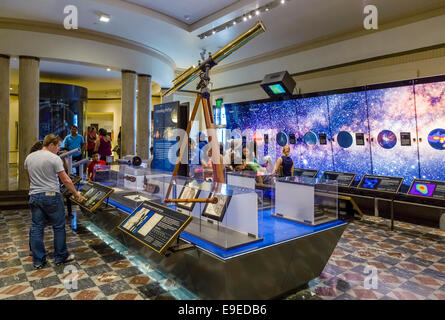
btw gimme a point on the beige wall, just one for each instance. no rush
(105, 106)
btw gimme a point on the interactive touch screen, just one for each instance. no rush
(381, 183)
(343, 179)
(428, 188)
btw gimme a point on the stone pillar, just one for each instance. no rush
(4, 122)
(143, 116)
(29, 79)
(128, 112)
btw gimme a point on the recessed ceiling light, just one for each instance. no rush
(257, 12)
(213, 31)
(267, 8)
(234, 22)
(283, 1)
(187, 18)
(10, 88)
(250, 16)
(244, 18)
(108, 69)
(104, 18)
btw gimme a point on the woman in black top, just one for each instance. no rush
(286, 162)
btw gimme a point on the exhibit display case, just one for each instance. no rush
(306, 200)
(133, 185)
(219, 243)
(262, 182)
(231, 222)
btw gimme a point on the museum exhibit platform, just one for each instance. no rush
(229, 250)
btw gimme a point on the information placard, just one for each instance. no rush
(343, 179)
(94, 193)
(405, 138)
(189, 191)
(381, 183)
(217, 210)
(155, 225)
(360, 139)
(298, 172)
(428, 189)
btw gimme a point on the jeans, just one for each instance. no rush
(49, 208)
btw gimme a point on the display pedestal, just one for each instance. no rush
(265, 273)
(219, 235)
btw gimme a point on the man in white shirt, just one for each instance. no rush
(46, 201)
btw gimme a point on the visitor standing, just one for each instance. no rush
(91, 141)
(46, 202)
(74, 141)
(284, 166)
(103, 145)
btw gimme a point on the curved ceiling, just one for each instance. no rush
(161, 25)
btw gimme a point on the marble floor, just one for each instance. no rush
(369, 262)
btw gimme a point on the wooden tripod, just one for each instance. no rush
(217, 165)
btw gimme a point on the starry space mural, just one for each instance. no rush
(395, 129)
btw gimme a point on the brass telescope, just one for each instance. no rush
(191, 73)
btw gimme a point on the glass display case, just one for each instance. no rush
(133, 185)
(262, 182)
(227, 219)
(306, 200)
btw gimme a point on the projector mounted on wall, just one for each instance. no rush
(278, 84)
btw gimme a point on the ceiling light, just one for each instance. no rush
(283, 1)
(187, 18)
(108, 69)
(267, 9)
(213, 31)
(257, 12)
(250, 16)
(244, 18)
(234, 22)
(10, 88)
(104, 18)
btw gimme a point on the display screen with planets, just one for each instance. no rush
(379, 114)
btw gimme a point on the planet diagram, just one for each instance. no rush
(310, 138)
(387, 139)
(436, 139)
(344, 139)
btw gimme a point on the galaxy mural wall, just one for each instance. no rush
(395, 129)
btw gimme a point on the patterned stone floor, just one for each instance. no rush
(409, 263)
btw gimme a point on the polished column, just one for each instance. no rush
(29, 77)
(143, 116)
(128, 112)
(4, 122)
